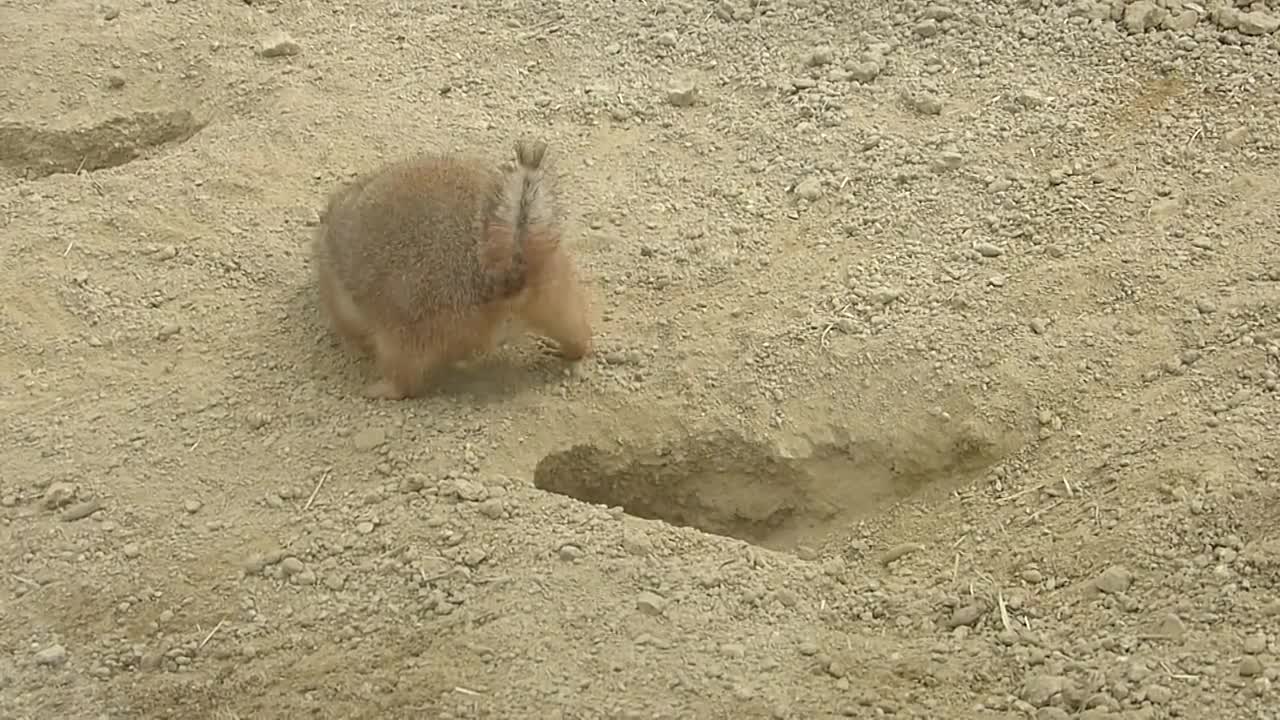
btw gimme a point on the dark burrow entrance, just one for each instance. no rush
(39, 151)
(727, 485)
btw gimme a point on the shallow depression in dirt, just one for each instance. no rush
(39, 151)
(726, 484)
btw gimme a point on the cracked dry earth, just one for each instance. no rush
(937, 370)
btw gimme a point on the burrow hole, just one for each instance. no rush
(727, 485)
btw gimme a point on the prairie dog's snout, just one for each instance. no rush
(438, 258)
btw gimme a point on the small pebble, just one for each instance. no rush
(1031, 99)
(820, 56)
(1039, 690)
(900, 551)
(926, 28)
(468, 490)
(291, 566)
(947, 161)
(52, 656)
(1158, 694)
(1115, 579)
(966, 615)
(1255, 644)
(682, 92)
(1171, 627)
(864, 72)
(1250, 666)
(809, 189)
(1235, 137)
(925, 104)
(987, 250)
(651, 603)
(1258, 22)
(278, 44)
(58, 495)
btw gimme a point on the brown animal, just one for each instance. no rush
(435, 260)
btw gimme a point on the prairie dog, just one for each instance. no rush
(436, 259)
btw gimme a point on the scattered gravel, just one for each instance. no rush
(938, 366)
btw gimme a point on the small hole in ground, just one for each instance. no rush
(727, 485)
(41, 151)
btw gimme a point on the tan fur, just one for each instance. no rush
(437, 259)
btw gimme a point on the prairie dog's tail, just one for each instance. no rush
(523, 229)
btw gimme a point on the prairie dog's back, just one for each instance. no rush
(430, 261)
(403, 240)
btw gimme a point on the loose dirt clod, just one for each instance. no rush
(52, 656)
(278, 44)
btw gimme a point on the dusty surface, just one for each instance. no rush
(959, 324)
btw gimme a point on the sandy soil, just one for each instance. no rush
(937, 369)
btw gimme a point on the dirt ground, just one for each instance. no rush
(938, 350)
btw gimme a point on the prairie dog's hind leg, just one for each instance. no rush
(343, 316)
(404, 365)
(408, 356)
